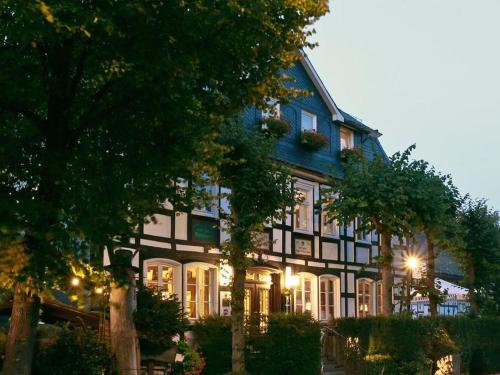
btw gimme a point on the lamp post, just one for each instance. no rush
(411, 264)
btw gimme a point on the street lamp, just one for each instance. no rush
(412, 263)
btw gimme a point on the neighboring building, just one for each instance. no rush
(307, 264)
(456, 302)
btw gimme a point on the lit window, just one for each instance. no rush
(304, 210)
(308, 121)
(327, 298)
(379, 298)
(303, 295)
(273, 109)
(346, 138)
(364, 298)
(160, 276)
(199, 290)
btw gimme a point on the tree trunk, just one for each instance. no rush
(386, 268)
(22, 333)
(431, 275)
(471, 276)
(124, 341)
(237, 327)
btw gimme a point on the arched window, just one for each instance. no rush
(365, 298)
(162, 275)
(328, 297)
(200, 289)
(306, 294)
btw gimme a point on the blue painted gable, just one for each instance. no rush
(288, 148)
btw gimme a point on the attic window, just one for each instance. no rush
(346, 138)
(308, 121)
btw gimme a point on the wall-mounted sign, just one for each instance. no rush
(303, 247)
(204, 231)
(225, 303)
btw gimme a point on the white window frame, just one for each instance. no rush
(202, 211)
(314, 293)
(371, 303)
(273, 111)
(336, 297)
(314, 120)
(350, 138)
(308, 189)
(176, 274)
(366, 238)
(213, 288)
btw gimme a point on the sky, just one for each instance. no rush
(424, 72)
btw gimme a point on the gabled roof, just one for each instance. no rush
(325, 95)
(337, 113)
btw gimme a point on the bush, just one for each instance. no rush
(157, 320)
(213, 336)
(71, 350)
(312, 140)
(411, 346)
(291, 346)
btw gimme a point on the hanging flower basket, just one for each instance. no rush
(275, 126)
(312, 140)
(351, 153)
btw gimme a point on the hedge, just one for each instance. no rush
(290, 346)
(412, 346)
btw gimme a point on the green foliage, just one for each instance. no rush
(291, 346)
(192, 364)
(275, 126)
(71, 350)
(479, 255)
(213, 336)
(410, 346)
(103, 106)
(157, 320)
(312, 140)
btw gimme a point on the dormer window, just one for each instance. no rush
(346, 138)
(308, 121)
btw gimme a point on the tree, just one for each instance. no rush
(480, 256)
(435, 201)
(374, 191)
(260, 189)
(103, 106)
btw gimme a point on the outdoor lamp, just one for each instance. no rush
(412, 263)
(75, 281)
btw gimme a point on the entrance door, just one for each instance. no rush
(256, 299)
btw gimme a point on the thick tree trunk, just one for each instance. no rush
(237, 320)
(471, 276)
(386, 269)
(22, 333)
(431, 275)
(124, 341)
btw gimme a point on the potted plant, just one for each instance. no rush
(275, 126)
(312, 140)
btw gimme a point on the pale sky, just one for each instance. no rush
(424, 72)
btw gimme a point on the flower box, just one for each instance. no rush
(275, 126)
(312, 140)
(351, 153)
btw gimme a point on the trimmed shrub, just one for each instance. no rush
(312, 140)
(291, 346)
(71, 350)
(213, 336)
(412, 346)
(157, 320)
